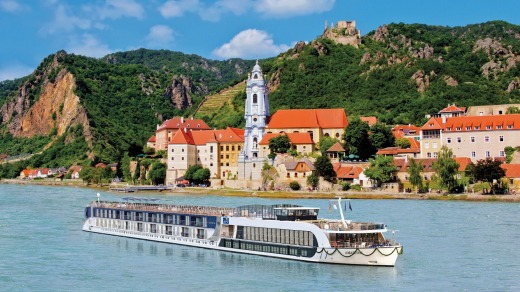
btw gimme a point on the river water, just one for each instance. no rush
(448, 246)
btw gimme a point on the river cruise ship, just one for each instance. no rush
(281, 231)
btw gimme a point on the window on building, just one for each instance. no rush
(183, 158)
(488, 154)
(459, 128)
(227, 148)
(239, 147)
(477, 127)
(173, 150)
(488, 127)
(221, 156)
(434, 154)
(499, 127)
(501, 153)
(211, 164)
(448, 140)
(472, 139)
(210, 149)
(173, 158)
(473, 154)
(509, 126)
(501, 138)
(337, 135)
(233, 148)
(426, 145)
(255, 98)
(434, 144)
(468, 128)
(459, 139)
(429, 155)
(227, 163)
(486, 139)
(448, 129)
(221, 148)
(227, 156)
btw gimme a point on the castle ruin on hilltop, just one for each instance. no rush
(344, 32)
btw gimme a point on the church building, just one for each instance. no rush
(256, 114)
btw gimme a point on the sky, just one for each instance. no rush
(214, 29)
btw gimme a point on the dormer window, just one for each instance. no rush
(488, 127)
(477, 127)
(458, 128)
(448, 129)
(499, 127)
(509, 126)
(468, 128)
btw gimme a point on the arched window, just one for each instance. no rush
(256, 76)
(255, 142)
(255, 98)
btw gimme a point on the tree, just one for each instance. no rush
(356, 139)
(489, 170)
(190, 172)
(513, 110)
(158, 173)
(381, 136)
(414, 170)
(381, 169)
(325, 143)
(446, 167)
(323, 167)
(294, 185)
(202, 175)
(313, 180)
(403, 143)
(279, 144)
(268, 173)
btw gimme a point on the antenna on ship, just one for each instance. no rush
(98, 195)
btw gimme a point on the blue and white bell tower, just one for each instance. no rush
(256, 115)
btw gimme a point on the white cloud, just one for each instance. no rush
(121, 8)
(65, 21)
(288, 8)
(13, 72)
(160, 35)
(11, 6)
(88, 45)
(175, 8)
(250, 43)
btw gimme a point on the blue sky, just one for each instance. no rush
(217, 29)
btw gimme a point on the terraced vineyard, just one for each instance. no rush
(213, 103)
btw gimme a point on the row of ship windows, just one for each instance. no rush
(275, 235)
(304, 252)
(487, 154)
(152, 217)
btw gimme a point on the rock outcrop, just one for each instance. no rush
(179, 92)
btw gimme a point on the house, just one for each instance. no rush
(349, 174)
(25, 173)
(428, 173)
(335, 152)
(512, 175)
(165, 132)
(371, 120)
(300, 168)
(42, 173)
(317, 122)
(75, 169)
(151, 142)
(450, 111)
(300, 142)
(476, 137)
(216, 150)
(400, 152)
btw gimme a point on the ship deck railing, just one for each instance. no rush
(165, 208)
(352, 226)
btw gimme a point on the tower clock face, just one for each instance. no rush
(255, 89)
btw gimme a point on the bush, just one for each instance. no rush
(355, 187)
(345, 186)
(294, 185)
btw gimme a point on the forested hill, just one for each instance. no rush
(75, 109)
(401, 72)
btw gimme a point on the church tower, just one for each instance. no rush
(256, 115)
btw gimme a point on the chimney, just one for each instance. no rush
(182, 120)
(444, 119)
(191, 117)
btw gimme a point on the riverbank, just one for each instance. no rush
(372, 195)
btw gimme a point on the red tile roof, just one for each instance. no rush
(336, 148)
(512, 170)
(309, 118)
(399, 131)
(349, 172)
(369, 120)
(397, 150)
(452, 108)
(182, 137)
(463, 162)
(474, 123)
(402, 164)
(295, 138)
(152, 139)
(229, 135)
(180, 123)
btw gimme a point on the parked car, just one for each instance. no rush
(181, 185)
